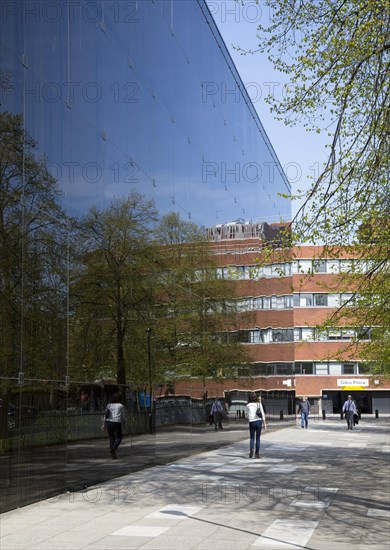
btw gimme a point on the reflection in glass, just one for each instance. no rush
(103, 103)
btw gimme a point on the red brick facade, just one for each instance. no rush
(337, 357)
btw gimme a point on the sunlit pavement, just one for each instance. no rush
(320, 488)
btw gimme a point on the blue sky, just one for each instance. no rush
(301, 153)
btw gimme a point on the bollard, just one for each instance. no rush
(281, 415)
(341, 415)
(323, 414)
(376, 413)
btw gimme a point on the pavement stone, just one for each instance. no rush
(321, 488)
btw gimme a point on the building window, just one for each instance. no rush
(320, 299)
(306, 300)
(333, 266)
(347, 299)
(257, 303)
(266, 302)
(348, 334)
(364, 333)
(283, 368)
(277, 335)
(283, 335)
(348, 369)
(319, 266)
(244, 336)
(304, 333)
(307, 368)
(334, 334)
(322, 368)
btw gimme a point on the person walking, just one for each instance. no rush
(304, 411)
(256, 418)
(113, 420)
(349, 410)
(216, 412)
(84, 401)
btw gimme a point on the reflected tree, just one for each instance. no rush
(112, 291)
(33, 258)
(194, 308)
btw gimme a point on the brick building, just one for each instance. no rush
(286, 299)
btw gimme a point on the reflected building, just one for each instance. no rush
(100, 100)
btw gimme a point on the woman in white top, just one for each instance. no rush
(255, 423)
(113, 419)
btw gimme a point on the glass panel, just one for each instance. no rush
(266, 302)
(347, 299)
(348, 334)
(255, 336)
(320, 299)
(267, 271)
(321, 369)
(319, 266)
(99, 118)
(277, 335)
(333, 266)
(334, 334)
(257, 303)
(333, 300)
(348, 369)
(284, 368)
(306, 300)
(305, 266)
(295, 267)
(307, 368)
(346, 266)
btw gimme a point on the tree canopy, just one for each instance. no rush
(33, 256)
(336, 54)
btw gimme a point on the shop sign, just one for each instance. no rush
(353, 383)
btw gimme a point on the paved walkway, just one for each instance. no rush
(321, 488)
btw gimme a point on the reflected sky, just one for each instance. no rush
(140, 95)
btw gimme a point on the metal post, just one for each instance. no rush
(323, 414)
(376, 413)
(149, 331)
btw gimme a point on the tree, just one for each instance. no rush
(194, 307)
(337, 56)
(33, 258)
(111, 288)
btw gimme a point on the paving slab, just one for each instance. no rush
(321, 488)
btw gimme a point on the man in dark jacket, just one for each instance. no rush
(304, 410)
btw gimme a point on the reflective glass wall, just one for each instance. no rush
(110, 111)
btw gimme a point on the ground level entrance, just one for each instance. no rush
(367, 401)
